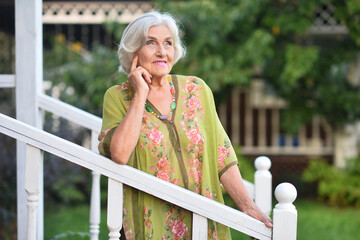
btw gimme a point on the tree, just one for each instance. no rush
(232, 42)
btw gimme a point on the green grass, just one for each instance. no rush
(315, 221)
(71, 219)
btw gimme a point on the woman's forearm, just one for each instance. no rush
(234, 185)
(127, 133)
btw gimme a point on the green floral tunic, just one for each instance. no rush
(191, 150)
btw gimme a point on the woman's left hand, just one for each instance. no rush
(234, 185)
(255, 212)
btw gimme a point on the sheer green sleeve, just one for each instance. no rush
(114, 111)
(226, 156)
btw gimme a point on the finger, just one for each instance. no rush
(134, 63)
(268, 222)
(147, 77)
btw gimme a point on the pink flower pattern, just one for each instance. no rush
(155, 136)
(222, 154)
(192, 113)
(178, 229)
(175, 222)
(154, 140)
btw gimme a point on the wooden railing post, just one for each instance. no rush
(114, 208)
(33, 173)
(95, 195)
(263, 184)
(199, 227)
(285, 214)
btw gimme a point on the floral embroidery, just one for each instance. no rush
(154, 143)
(194, 135)
(129, 234)
(209, 194)
(212, 231)
(175, 223)
(178, 229)
(224, 152)
(103, 134)
(149, 231)
(155, 136)
(195, 172)
(192, 112)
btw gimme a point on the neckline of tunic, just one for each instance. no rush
(155, 110)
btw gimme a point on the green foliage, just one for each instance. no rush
(340, 187)
(246, 166)
(231, 42)
(81, 76)
(72, 236)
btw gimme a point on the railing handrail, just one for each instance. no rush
(134, 178)
(69, 112)
(88, 120)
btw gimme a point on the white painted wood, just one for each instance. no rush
(235, 116)
(95, 206)
(199, 227)
(302, 137)
(69, 112)
(288, 140)
(316, 141)
(7, 81)
(285, 214)
(29, 74)
(287, 150)
(114, 208)
(33, 175)
(263, 184)
(77, 12)
(135, 178)
(329, 133)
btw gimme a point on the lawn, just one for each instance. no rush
(315, 221)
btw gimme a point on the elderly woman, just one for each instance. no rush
(166, 125)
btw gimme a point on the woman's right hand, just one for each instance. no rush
(139, 78)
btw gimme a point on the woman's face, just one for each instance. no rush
(157, 55)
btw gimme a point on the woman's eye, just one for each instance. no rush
(169, 43)
(149, 42)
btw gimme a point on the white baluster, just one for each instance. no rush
(114, 208)
(199, 227)
(95, 207)
(32, 186)
(263, 184)
(285, 214)
(95, 195)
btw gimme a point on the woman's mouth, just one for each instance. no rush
(160, 63)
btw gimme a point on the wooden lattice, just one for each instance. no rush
(92, 12)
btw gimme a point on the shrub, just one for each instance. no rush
(340, 187)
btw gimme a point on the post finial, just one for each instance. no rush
(285, 194)
(262, 163)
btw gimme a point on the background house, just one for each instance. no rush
(251, 116)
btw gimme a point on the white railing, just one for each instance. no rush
(285, 215)
(93, 123)
(260, 191)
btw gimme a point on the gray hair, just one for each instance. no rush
(135, 34)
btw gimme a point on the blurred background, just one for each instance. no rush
(285, 76)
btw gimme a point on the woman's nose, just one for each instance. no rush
(161, 50)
